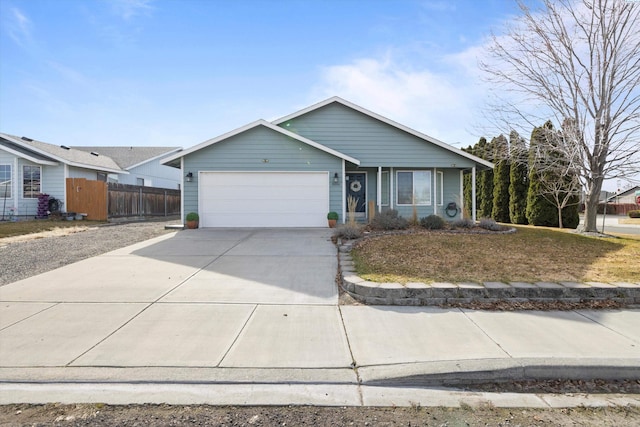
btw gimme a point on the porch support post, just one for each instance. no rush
(391, 190)
(182, 191)
(473, 193)
(461, 194)
(343, 193)
(379, 190)
(435, 191)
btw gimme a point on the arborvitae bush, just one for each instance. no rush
(518, 183)
(500, 209)
(432, 222)
(539, 210)
(389, 220)
(571, 213)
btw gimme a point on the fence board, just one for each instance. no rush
(85, 196)
(133, 200)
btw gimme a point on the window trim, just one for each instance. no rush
(440, 186)
(413, 171)
(10, 185)
(39, 183)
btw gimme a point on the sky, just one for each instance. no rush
(179, 72)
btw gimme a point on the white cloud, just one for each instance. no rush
(441, 105)
(128, 9)
(18, 26)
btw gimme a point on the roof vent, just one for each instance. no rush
(65, 147)
(93, 153)
(26, 139)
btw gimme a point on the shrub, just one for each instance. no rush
(432, 222)
(634, 214)
(349, 231)
(490, 224)
(463, 223)
(389, 220)
(192, 216)
(332, 215)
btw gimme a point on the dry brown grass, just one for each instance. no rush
(19, 228)
(529, 255)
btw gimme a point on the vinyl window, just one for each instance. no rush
(31, 181)
(413, 188)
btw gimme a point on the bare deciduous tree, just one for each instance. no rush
(578, 62)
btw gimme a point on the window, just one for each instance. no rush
(385, 189)
(414, 187)
(30, 181)
(5, 181)
(101, 176)
(140, 182)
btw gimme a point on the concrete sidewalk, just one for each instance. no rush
(254, 312)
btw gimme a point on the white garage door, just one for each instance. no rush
(264, 199)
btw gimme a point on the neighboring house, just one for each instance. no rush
(143, 165)
(627, 196)
(291, 172)
(29, 167)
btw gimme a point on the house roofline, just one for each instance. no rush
(387, 121)
(160, 156)
(268, 125)
(58, 159)
(30, 158)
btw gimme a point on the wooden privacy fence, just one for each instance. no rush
(133, 200)
(85, 196)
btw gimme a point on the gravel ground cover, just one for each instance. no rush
(28, 256)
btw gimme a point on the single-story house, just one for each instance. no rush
(142, 164)
(292, 171)
(29, 167)
(628, 196)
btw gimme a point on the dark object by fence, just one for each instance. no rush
(133, 200)
(43, 206)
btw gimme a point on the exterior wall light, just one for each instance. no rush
(336, 178)
(189, 177)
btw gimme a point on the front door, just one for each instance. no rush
(357, 189)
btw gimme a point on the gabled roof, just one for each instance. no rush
(384, 120)
(48, 154)
(171, 160)
(131, 157)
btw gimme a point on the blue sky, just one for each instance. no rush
(178, 72)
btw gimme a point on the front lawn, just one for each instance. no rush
(529, 255)
(18, 228)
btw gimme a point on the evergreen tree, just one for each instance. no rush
(539, 210)
(518, 180)
(500, 209)
(486, 182)
(467, 188)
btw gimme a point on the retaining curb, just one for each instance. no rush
(440, 293)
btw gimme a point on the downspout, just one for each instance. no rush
(473, 193)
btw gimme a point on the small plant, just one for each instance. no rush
(349, 231)
(432, 222)
(463, 223)
(634, 214)
(389, 220)
(192, 216)
(490, 224)
(352, 205)
(332, 215)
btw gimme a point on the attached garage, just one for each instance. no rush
(263, 199)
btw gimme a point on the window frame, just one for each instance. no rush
(33, 195)
(386, 187)
(440, 187)
(3, 193)
(428, 182)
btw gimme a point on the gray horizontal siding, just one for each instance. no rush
(369, 140)
(249, 150)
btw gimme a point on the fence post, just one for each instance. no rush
(141, 204)
(165, 202)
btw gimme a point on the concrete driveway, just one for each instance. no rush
(206, 297)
